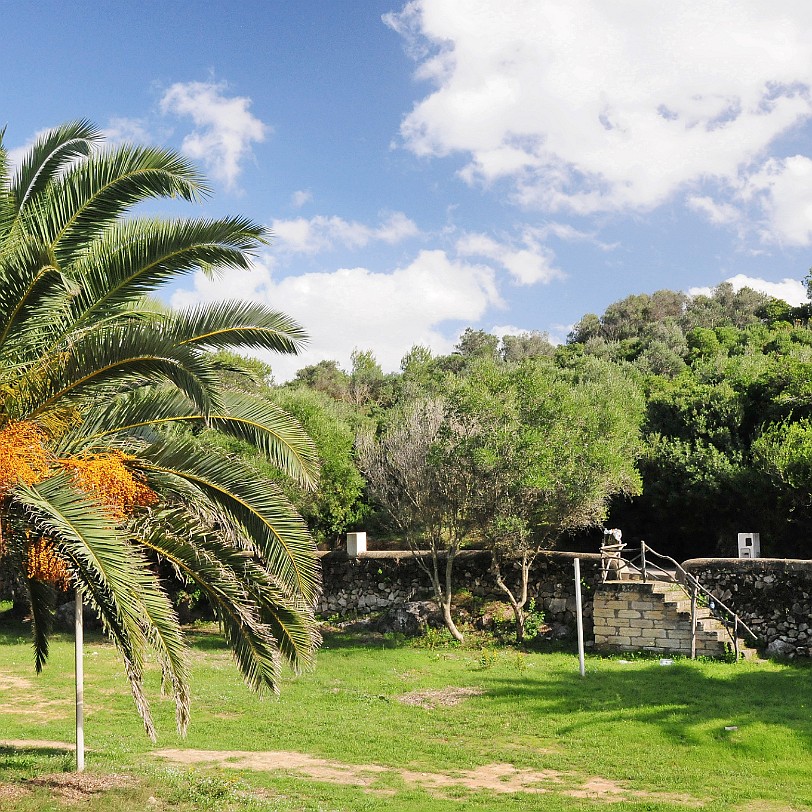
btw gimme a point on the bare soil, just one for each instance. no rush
(497, 778)
(444, 697)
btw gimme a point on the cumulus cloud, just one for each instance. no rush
(588, 106)
(358, 308)
(527, 263)
(224, 130)
(790, 290)
(716, 212)
(316, 234)
(783, 189)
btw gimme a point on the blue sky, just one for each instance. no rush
(426, 166)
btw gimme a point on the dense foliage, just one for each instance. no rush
(726, 381)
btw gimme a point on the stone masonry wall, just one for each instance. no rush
(772, 595)
(636, 616)
(376, 581)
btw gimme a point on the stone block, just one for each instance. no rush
(628, 613)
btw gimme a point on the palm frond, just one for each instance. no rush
(99, 363)
(42, 600)
(50, 153)
(91, 195)
(228, 324)
(131, 259)
(274, 432)
(257, 506)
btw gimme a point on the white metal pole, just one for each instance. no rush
(579, 615)
(80, 688)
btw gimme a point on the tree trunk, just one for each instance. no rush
(517, 604)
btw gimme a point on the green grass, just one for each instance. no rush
(654, 731)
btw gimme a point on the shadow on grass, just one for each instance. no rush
(683, 700)
(14, 630)
(17, 763)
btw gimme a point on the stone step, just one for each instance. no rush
(656, 616)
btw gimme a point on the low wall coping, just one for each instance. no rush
(750, 564)
(461, 555)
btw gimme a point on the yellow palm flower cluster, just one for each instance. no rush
(107, 478)
(44, 564)
(23, 457)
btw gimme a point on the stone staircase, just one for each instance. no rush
(655, 616)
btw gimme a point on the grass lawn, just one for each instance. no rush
(381, 725)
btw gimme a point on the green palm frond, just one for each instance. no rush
(114, 575)
(216, 568)
(78, 206)
(228, 324)
(50, 153)
(274, 432)
(131, 259)
(100, 362)
(255, 504)
(42, 600)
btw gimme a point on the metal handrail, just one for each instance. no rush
(696, 587)
(693, 581)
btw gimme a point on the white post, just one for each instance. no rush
(80, 689)
(579, 615)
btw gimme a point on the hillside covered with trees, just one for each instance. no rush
(716, 389)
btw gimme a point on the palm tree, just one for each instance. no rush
(96, 483)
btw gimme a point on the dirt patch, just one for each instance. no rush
(443, 697)
(10, 683)
(13, 791)
(77, 787)
(30, 705)
(497, 778)
(318, 768)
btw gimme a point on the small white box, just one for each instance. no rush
(749, 545)
(356, 544)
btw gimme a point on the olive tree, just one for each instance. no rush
(414, 473)
(546, 449)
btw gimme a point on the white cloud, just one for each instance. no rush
(317, 234)
(790, 290)
(530, 263)
(784, 189)
(716, 212)
(299, 198)
(589, 106)
(126, 130)
(358, 308)
(224, 131)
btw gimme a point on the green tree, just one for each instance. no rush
(547, 448)
(338, 504)
(93, 490)
(424, 488)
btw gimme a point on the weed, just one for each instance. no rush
(488, 658)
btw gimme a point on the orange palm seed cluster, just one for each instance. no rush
(44, 564)
(107, 478)
(23, 457)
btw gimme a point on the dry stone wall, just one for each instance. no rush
(377, 581)
(772, 595)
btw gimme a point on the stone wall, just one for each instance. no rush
(772, 595)
(376, 581)
(637, 616)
